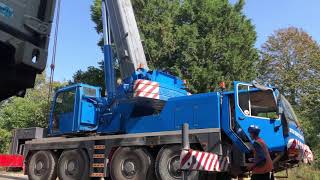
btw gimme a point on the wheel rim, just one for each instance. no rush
(40, 168)
(71, 167)
(129, 168)
(73, 164)
(174, 166)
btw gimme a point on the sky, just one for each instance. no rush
(77, 41)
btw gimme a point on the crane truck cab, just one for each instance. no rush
(74, 109)
(265, 107)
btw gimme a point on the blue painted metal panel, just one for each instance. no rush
(87, 108)
(66, 122)
(109, 74)
(111, 121)
(273, 138)
(168, 80)
(226, 124)
(167, 92)
(200, 111)
(295, 133)
(170, 86)
(110, 124)
(88, 115)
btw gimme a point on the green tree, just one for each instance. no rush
(5, 136)
(203, 42)
(291, 58)
(31, 111)
(93, 76)
(26, 112)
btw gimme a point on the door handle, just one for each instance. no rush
(241, 118)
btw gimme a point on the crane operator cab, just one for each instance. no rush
(74, 109)
(267, 108)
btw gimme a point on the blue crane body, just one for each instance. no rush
(125, 111)
(200, 111)
(134, 132)
(115, 113)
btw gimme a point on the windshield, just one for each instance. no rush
(257, 103)
(288, 111)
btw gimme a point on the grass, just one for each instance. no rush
(303, 172)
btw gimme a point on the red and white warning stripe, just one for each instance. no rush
(146, 88)
(204, 161)
(303, 151)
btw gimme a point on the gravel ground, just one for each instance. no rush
(12, 176)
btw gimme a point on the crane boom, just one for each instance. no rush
(126, 36)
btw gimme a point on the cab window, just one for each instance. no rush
(89, 92)
(288, 111)
(64, 106)
(256, 102)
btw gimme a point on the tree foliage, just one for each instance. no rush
(4, 140)
(31, 111)
(291, 58)
(93, 76)
(203, 42)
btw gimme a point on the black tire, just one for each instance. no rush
(42, 165)
(73, 165)
(134, 163)
(168, 163)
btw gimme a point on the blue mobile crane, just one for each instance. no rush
(134, 132)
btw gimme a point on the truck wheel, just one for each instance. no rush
(132, 163)
(168, 164)
(73, 165)
(42, 166)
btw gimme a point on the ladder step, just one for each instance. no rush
(98, 165)
(97, 175)
(98, 156)
(99, 147)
